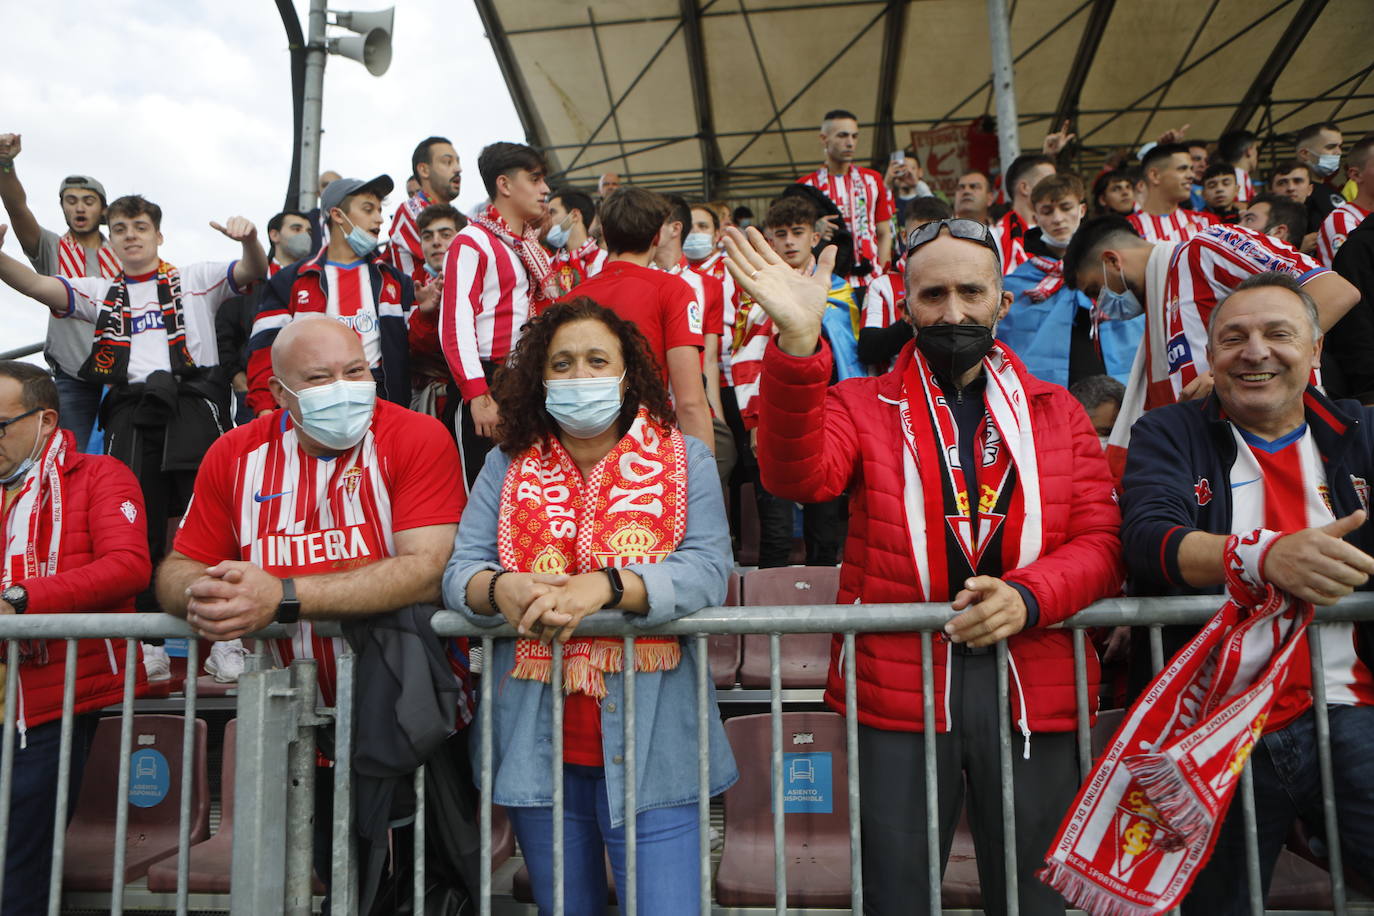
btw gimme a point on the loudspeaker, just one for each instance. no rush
(365, 22)
(372, 50)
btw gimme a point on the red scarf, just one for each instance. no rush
(631, 508)
(542, 281)
(108, 363)
(71, 258)
(1144, 823)
(935, 492)
(1053, 281)
(33, 525)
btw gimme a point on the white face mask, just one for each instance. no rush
(339, 414)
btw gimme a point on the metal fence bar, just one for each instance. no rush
(1156, 649)
(1008, 796)
(779, 825)
(629, 900)
(929, 735)
(556, 695)
(1252, 864)
(484, 717)
(343, 884)
(126, 740)
(188, 755)
(1323, 724)
(7, 748)
(851, 735)
(300, 800)
(705, 709)
(419, 903)
(64, 775)
(1081, 707)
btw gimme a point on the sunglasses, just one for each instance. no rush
(967, 229)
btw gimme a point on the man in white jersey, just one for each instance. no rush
(436, 167)
(1344, 219)
(1271, 460)
(82, 251)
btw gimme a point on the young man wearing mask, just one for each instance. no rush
(576, 256)
(1318, 146)
(348, 281)
(1344, 218)
(79, 252)
(435, 165)
(1168, 175)
(708, 292)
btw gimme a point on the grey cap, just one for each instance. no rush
(340, 188)
(84, 183)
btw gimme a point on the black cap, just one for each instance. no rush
(340, 188)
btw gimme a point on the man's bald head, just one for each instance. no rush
(316, 350)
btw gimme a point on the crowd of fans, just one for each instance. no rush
(554, 405)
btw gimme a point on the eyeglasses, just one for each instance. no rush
(6, 424)
(967, 229)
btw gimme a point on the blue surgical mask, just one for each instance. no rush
(557, 236)
(1115, 306)
(431, 271)
(296, 246)
(337, 415)
(361, 241)
(584, 407)
(698, 246)
(1327, 165)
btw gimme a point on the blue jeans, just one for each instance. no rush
(79, 402)
(667, 855)
(33, 804)
(1288, 786)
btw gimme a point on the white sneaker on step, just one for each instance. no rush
(225, 663)
(156, 663)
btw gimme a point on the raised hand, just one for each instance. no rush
(1175, 134)
(795, 301)
(1055, 142)
(9, 146)
(236, 228)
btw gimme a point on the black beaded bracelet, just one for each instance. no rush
(491, 590)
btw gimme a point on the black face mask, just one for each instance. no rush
(953, 349)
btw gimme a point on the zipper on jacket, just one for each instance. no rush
(1021, 695)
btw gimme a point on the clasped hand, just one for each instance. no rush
(231, 600)
(550, 606)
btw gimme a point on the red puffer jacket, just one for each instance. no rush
(103, 563)
(815, 442)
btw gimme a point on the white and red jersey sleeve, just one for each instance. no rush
(1010, 234)
(405, 251)
(751, 340)
(1175, 227)
(485, 302)
(1338, 224)
(865, 203)
(714, 266)
(1202, 271)
(886, 299)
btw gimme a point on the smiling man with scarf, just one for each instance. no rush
(958, 415)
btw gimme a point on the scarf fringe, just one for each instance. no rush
(1088, 896)
(585, 672)
(1164, 784)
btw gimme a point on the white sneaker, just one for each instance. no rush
(225, 663)
(156, 663)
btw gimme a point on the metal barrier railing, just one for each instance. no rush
(277, 716)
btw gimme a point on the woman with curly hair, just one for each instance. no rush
(595, 502)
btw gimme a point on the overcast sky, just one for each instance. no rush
(188, 102)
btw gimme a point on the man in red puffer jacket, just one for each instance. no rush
(970, 481)
(59, 509)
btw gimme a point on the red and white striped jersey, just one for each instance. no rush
(573, 267)
(260, 498)
(1245, 188)
(74, 260)
(752, 332)
(1281, 486)
(486, 301)
(1010, 233)
(1175, 227)
(865, 203)
(405, 251)
(1339, 223)
(350, 302)
(886, 299)
(1202, 271)
(714, 266)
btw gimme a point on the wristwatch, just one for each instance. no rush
(289, 610)
(617, 586)
(17, 597)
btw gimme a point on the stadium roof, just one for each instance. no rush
(724, 97)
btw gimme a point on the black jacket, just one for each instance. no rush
(1348, 350)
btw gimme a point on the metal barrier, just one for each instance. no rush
(278, 715)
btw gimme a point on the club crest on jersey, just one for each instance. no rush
(129, 509)
(1325, 492)
(1203, 491)
(351, 478)
(1361, 490)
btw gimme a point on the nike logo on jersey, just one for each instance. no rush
(258, 497)
(1242, 483)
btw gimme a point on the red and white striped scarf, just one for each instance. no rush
(33, 525)
(1051, 283)
(71, 258)
(1006, 441)
(1144, 823)
(543, 283)
(631, 508)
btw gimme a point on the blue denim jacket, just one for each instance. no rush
(690, 578)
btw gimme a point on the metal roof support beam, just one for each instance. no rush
(606, 81)
(535, 132)
(1096, 27)
(1273, 68)
(1003, 81)
(712, 162)
(894, 36)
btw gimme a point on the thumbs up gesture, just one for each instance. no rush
(1316, 564)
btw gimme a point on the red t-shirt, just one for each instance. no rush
(582, 731)
(260, 498)
(661, 305)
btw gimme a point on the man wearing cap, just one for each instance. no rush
(80, 252)
(348, 281)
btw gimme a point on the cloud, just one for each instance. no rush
(189, 104)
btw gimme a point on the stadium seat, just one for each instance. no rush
(724, 651)
(154, 801)
(210, 860)
(817, 841)
(805, 656)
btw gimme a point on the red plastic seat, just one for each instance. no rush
(154, 801)
(210, 860)
(817, 836)
(723, 652)
(805, 656)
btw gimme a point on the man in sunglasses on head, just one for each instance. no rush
(970, 482)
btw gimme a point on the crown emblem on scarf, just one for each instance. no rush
(550, 560)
